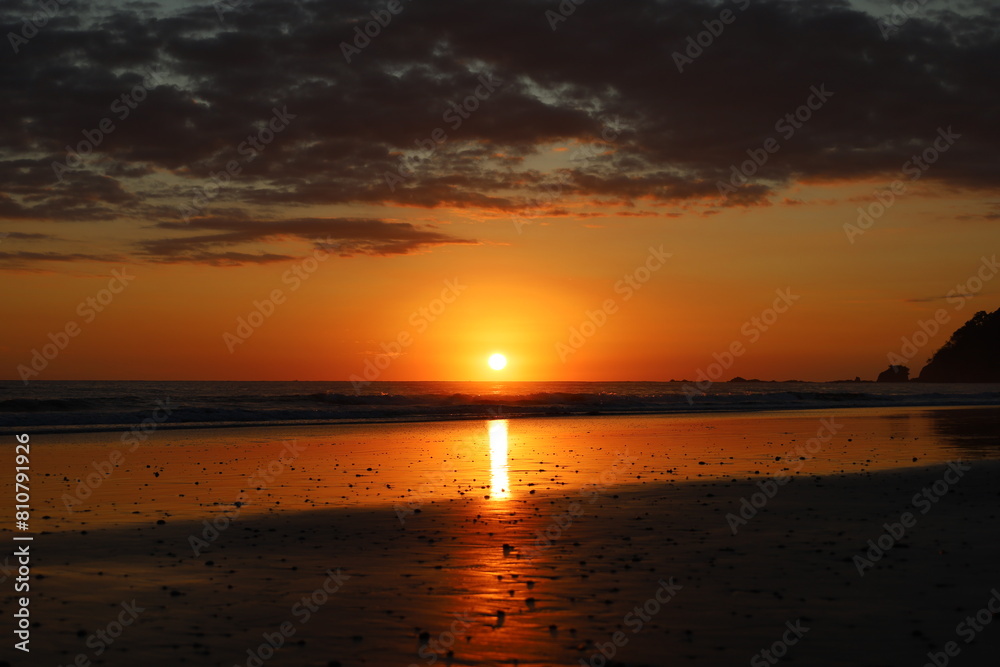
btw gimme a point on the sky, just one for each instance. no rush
(600, 191)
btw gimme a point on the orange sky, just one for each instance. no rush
(214, 154)
(522, 293)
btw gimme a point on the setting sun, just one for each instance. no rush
(487, 350)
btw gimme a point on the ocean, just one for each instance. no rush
(109, 405)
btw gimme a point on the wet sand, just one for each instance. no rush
(627, 503)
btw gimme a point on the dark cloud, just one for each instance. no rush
(25, 236)
(932, 299)
(982, 216)
(21, 260)
(31, 192)
(344, 237)
(178, 253)
(609, 65)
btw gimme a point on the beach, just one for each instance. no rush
(636, 540)
(520, 334)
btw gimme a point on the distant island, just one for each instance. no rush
(895, 373)
(970, 355)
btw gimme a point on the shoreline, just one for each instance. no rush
(57, 429)
(532, 540)
(101, 478)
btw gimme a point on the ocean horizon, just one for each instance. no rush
(109, 405)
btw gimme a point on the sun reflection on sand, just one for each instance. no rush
(499, 479)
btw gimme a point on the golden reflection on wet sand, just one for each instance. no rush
(499, 468)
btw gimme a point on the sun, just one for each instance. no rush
(497, 361)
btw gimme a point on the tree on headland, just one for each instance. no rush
(970, 355)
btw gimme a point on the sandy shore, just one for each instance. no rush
(639, 512)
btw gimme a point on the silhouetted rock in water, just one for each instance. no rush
(894, 374)
(970, 355)
(738, 379)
